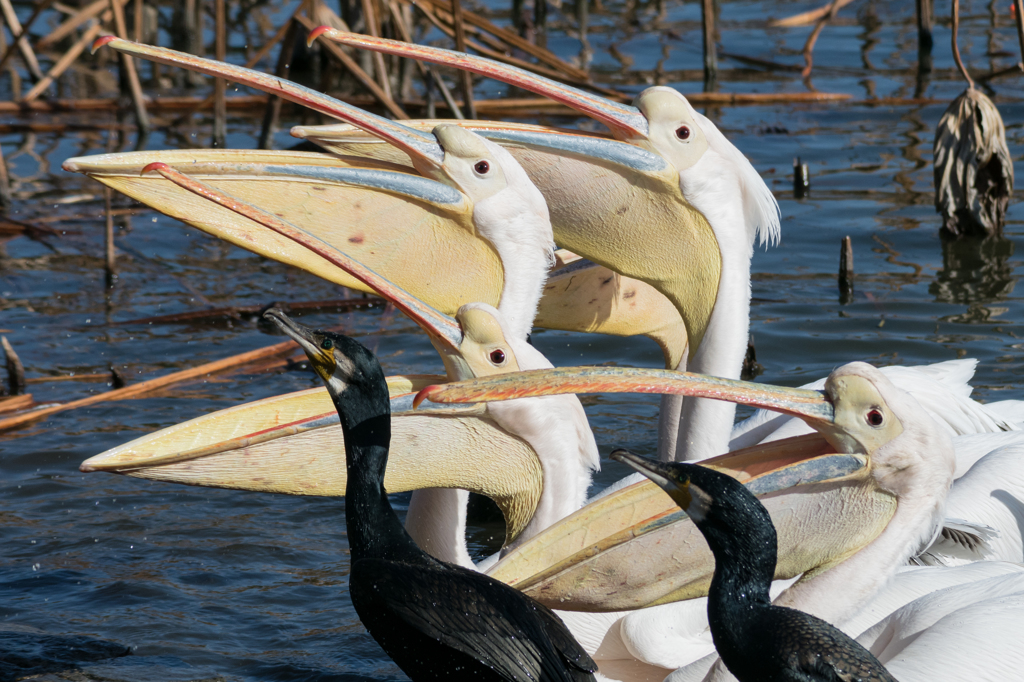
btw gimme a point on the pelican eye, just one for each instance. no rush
(498, 356)
(327, 344)
(875, 418)
(482, 167)
(683, 132)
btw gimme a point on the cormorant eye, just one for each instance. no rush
(482, 167)
(327, 344)
(683, 132)
(875, 418)
(498, 356)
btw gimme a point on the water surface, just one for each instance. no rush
(216, 584)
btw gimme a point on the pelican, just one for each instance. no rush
(487, 341)
(291, 184)
(682, 198)
(757, 640)
(909, 462)
(436, 620)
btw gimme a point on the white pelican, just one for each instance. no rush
(712, 176)
(511, 214)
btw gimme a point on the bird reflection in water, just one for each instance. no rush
(974, 270)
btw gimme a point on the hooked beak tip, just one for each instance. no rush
(155, 166)
(424, 394)
(100, 42)
(316, 33)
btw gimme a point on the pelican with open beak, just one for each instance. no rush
(481, 340)
(864, 493)
(626, 208)
(375, 227)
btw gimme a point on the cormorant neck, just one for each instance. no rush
(744, 568)
(374, 530)
(743, 540)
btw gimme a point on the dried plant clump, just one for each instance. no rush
(973, 169)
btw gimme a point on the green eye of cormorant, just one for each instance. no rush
(327, 344)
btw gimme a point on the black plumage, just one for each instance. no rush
(758, 642)
(436, 620)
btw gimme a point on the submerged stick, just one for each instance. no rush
(846, 270)
(15, 370)
(137, 390)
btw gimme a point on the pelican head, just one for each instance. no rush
(673, 130)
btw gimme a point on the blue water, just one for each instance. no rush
(215, 584)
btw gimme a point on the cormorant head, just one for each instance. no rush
(718, 504)
(349, 369)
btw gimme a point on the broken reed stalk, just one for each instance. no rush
(71, 24)
(22, 35)
(62, 64)
(512, 39)
(16, 402)
(373, 28)
(110, 255)
(846, 270)
(256, 58)
(138, 20)
(956, 49)
(220, 111)
(22, 41)
(357, 71)
(925, 19)
(813, 38)
(707, 16)
(807, 18)
(137, 390)
(15, 370)
(5, 184)
(540, 22)
(273, 110)
(430, 76)
(1018, 19)
(138, 99)
(465, 77)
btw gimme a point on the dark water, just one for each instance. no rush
(214, 584)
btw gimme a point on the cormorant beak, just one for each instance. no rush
(811, 406)
(625, 121)
(310, 340)
(426, 155)
(664, 475)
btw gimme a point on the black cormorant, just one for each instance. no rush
(758, 642)
(436, 620)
